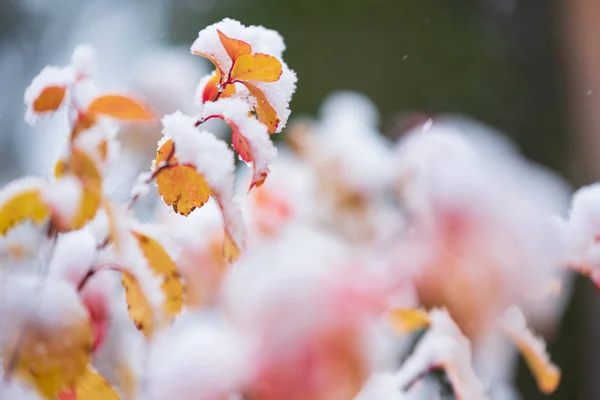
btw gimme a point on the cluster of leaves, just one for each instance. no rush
(190, 167)
(326, 260)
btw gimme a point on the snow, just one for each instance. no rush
(347, 136)
(279, 93)
(64, 198)
(583, 229)
(198, 356)
(444, 346)
(83, 61)
(51, 305)
(214, 160)
(515, 325)
(235, 112)
(73, 256)
(211, 156)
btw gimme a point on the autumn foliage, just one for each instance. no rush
(309, 276)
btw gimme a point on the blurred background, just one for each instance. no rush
(529, 68)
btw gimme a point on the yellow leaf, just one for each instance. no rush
(26, 205)
(114, 236)
(231, 252)
(180, 186)
(91, 386)
(533, 349)
(234, 47)
(138, 305)
(407, 320)
(162, 265)
(121, 107)
(256, 67)
(52, 362)
(264, 111)
(82, 166)
(50, 99)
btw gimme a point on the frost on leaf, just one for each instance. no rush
(251, 56)
(20, 201)
(210, 172)
(533, 349)
(163, 266)
(120, 107)
(51, 350)
(249, 137)
(47, 92)
(444, 346)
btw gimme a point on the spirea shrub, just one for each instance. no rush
(344, 267)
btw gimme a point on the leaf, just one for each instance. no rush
(408, 320)
(84, 121)
(533, 349)
(120, 107)
(264, 111)
(234, 47)
(256, 67)
(246, 150)
(233, 226)
(211, 90)
(51, 361)
(49, 99)
(138, 306)
(82, 166)
(22, 206)
(212, 59)
(180, 186)
(91, 386)
(162, 265)
(231, 251)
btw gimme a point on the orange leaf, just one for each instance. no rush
(234, 47)
(264, 111)
(240, 144)
(50, 99)
(244, 148)
(180, 186)
(162, 265)
(212, 59)
(140, 310)
(256, 67)
(120, 107)
(211, 90)
(407, 320)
